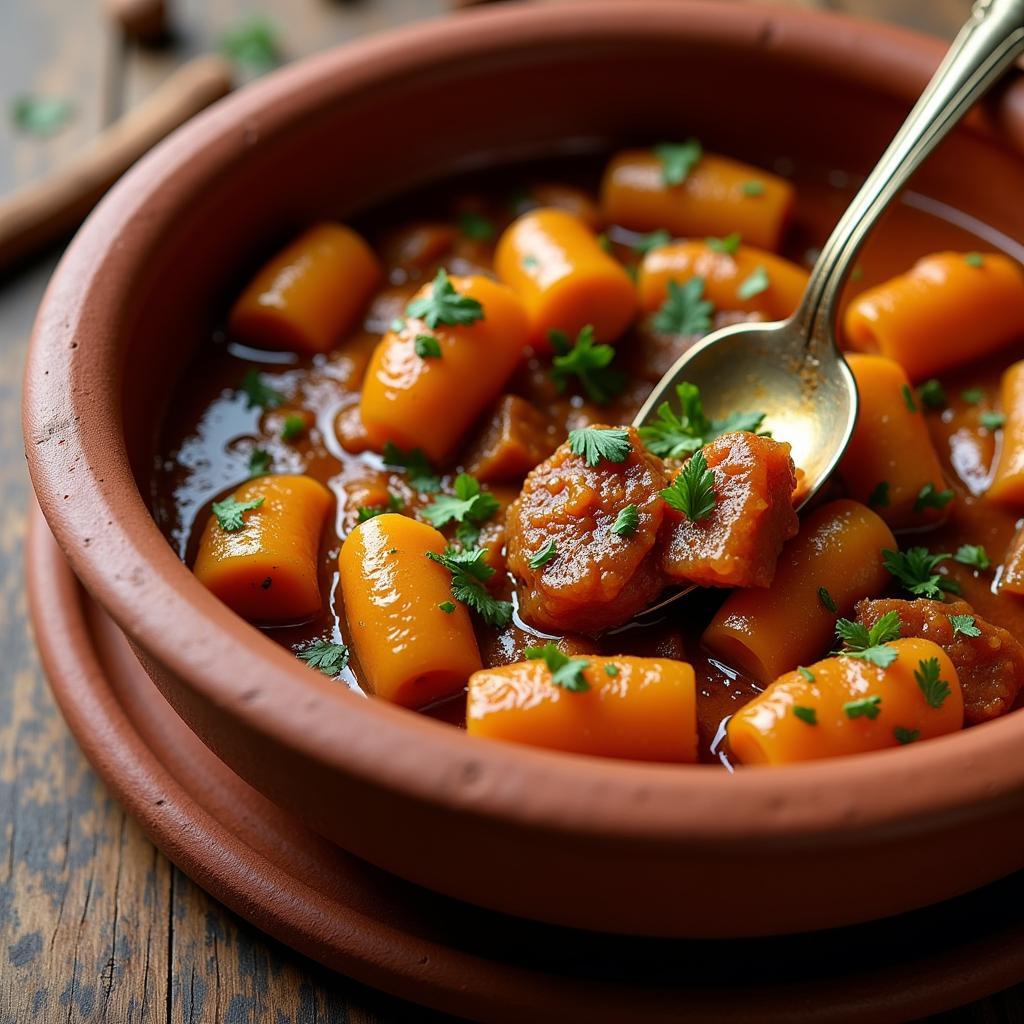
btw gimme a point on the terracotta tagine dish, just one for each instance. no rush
(328, 407)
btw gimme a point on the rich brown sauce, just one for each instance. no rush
(210, 432)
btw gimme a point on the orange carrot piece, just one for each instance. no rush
(718, 196)
(553, 261)
(267, 570)
(849, 706)
(767, 632)
(1007, 484)
(411, 650)
(643, 709)
(950, 308)
(310, 294)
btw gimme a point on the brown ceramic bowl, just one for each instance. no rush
(598, 844)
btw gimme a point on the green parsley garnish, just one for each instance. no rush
(593, 444)
(879, 497)
(426, 346)
(230, 513)
(964, 625)
(671, 436)
(611, 671)
(729, 245)
(605, 242)
(752, 188)
(294, 427)
(588, 362)
(677, 160)
(973, 555)
(929, 497)
(808, 715)
(260, 462)
(254, 44)
(444, 305)
(869, 644)
(565, 671)
(935, 690)
(755, 284)
(470, 506)
(992, 420)
(905, 736)
(447, 607)
(908, 398)
(974, 259)
(421, 476)
(257, 394)
(330, 658)
(40, 115)
(827, 601)
(397, 325)
(476, 226)
(626, 521)
(470, 572)
(547, 551)
(365, 512)
(932, 395)
(972, 396)
(915, 569)
(806, 673)
(685, 310)
(643, 244)
(866, 707)
(693, 490)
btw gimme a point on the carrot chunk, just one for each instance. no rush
(738, 543)
(990, 664)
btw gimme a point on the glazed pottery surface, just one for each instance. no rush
(595, 844)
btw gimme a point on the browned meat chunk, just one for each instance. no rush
(516, 437)
(990, 666)
(593, 577)
(738, 544)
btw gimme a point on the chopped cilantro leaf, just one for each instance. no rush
(677, 160)
(643, 244)
(992, 420)
(929, 497)
(729, 245)
(476, 226)
(685, 310)
(908, 398)
(253, 43)
(565, 671)
(879, 497)
(40, 115)
(671, 436)
(752, 187)
(230, 514)
(693, 490)
(257, 394)
(611, 670)
(593, 444)
(416, 467)
(365, 512)
(972, 396)
(426, 346)
(964, 625)
(470, 572)
(806, 673)
(905, 736)
(444, 305)
(330, 658)
(447, 607)
(260, 462)
(827, 601)
(588, 362)
(973, 555)
(626, 521)
(869, 644)
(932, 395)
(974, 259)
(865, 707)
(294, 427)
(547, 551)
(935, 689)
(915, 570)
(755, 284)
(808, 715)
(470, 503)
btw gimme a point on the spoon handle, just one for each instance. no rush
(986, 46)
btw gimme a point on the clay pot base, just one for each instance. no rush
(268, 868)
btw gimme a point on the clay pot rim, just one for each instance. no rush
(80, 473)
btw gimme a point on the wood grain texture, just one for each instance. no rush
(95, 924)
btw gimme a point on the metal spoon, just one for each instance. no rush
(792, 370)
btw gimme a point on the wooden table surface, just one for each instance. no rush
(95, 923)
